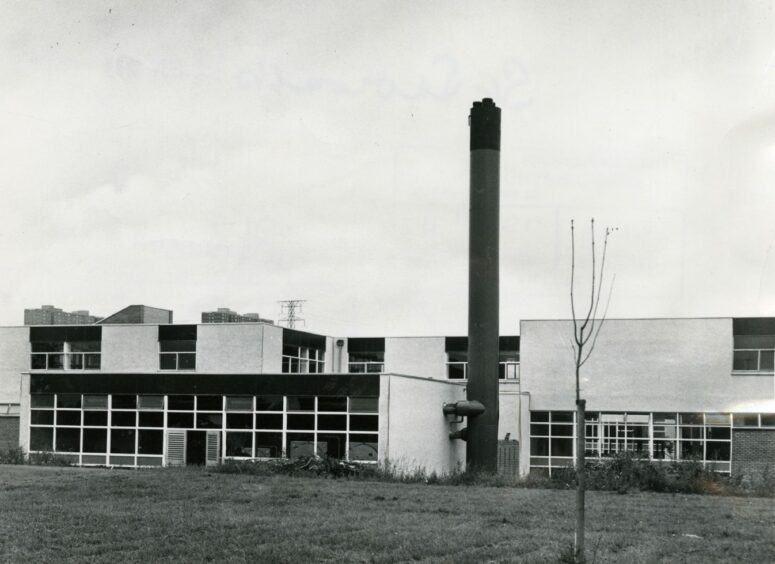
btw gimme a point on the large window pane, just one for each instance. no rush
(95, 418)
(239, 403)
(168, 361)
(363, 423)
(150, 442)
(269, 403)
(209, 420)
(177, 346)
(301, 403)
(717, 450)
(363, 448)
(56, 361)
(332, 422)
(746, 360)
(186, 361)
(151, 402)
(95, 440)
(68, 417)
(269, 445)
(69, 400)
(239, 421)
(42, 438)
(151, 419)
(124, 401)
(239, 444)
(93, 401)
(301, 421)
(209, 403)
(331, 445)
(38, 361)
(123, 418)
(539, 447)
(767, 360)
(122, 441)
(364, 405)
(42, 417)
(180, 420)
(332, 404)
(300, 444)
(691, 450)
(562, 447)
(269, 421)
(181, 403)
(68, 439)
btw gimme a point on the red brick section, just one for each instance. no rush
(9, 432)
(753, 451)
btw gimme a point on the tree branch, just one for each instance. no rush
(605, 314)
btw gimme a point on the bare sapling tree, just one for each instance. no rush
(585, 333)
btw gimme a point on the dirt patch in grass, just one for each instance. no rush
(98, 515)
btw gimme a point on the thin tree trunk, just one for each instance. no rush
(580, 478)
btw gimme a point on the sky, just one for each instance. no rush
(195, 155)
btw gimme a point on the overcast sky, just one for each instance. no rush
(201, 155)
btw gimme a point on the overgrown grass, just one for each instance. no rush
(195, 515)
(622, 474)
(625, 473)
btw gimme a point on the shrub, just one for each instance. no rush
(48, 459)
(12, 455)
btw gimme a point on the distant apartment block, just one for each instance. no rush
(50, 315)
(226, 315)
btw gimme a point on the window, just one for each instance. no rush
(365, 355)
(303, 353)
(457, 358)
(754, 353)
(366, 362)
(457, 365)
(129, 430)
(83, 355)
(704, 437)
(177, 347)
(65, 348)
(177, 355)
(302, 360)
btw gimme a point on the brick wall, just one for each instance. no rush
(508, 458)
(753, 451)
(9, 432)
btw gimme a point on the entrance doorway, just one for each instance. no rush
(196, 448)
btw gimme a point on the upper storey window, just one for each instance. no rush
(303, 353)
(365, 355)
(754, 340)
(177, 347)
(66, 348)
(457, 358)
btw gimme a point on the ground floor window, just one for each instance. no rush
(130, 430)
(666, 436)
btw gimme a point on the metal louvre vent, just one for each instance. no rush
(213, 447)
(176, 448)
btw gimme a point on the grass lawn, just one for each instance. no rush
(99, 515)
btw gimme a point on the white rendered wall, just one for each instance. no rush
(413, 431)
(640, 365)
(233, 348)
(14, 358)
(416, 356)
(272, 347)
(130, 348)
(24, 412)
